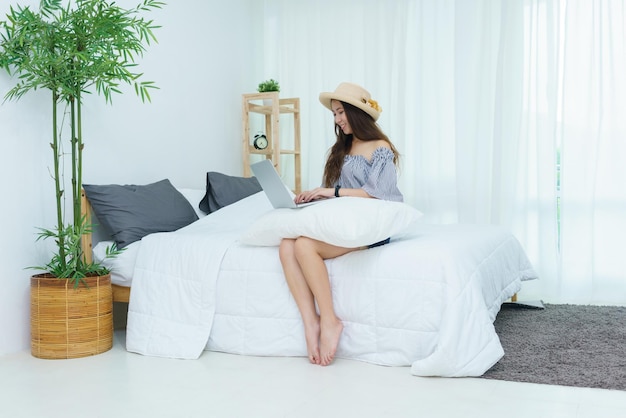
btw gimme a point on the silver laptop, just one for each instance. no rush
(276, 191)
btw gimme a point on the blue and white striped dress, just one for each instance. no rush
(378, 177)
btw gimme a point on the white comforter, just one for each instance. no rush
(428, 299)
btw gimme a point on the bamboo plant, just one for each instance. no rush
(71, 49)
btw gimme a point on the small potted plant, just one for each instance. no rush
(268, 86)
(68, 50)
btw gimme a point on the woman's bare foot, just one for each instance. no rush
(329, 340)
(312, 336)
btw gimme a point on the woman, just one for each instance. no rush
(361, 163)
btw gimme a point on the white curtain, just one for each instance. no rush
(483, 99)
(593, 152)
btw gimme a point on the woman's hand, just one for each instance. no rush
(315, 194)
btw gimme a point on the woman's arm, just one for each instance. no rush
(352, 192)
(327, 192)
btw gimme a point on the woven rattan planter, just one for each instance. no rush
(68, 322)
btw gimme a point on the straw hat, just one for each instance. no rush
(356, 96)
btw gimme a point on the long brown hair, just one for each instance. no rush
(365, 128)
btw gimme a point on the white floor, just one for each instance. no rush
(121, 384)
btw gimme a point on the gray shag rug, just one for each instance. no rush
(568, 345)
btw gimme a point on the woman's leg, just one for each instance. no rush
(310, 255)
(303, 297)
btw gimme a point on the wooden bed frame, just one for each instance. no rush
(120, 293)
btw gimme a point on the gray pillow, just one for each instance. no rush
(223, 190)
(130, 212)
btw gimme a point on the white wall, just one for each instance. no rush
(202, 65)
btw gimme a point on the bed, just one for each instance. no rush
(427, 300)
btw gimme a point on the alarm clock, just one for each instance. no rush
(260, 141)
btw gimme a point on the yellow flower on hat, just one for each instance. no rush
(374, 105)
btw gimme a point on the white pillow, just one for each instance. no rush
(194, 196)
(122, 266)
(346, 222)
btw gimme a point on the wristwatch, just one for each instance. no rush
(337, 187)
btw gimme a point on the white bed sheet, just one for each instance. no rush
(426, 300)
